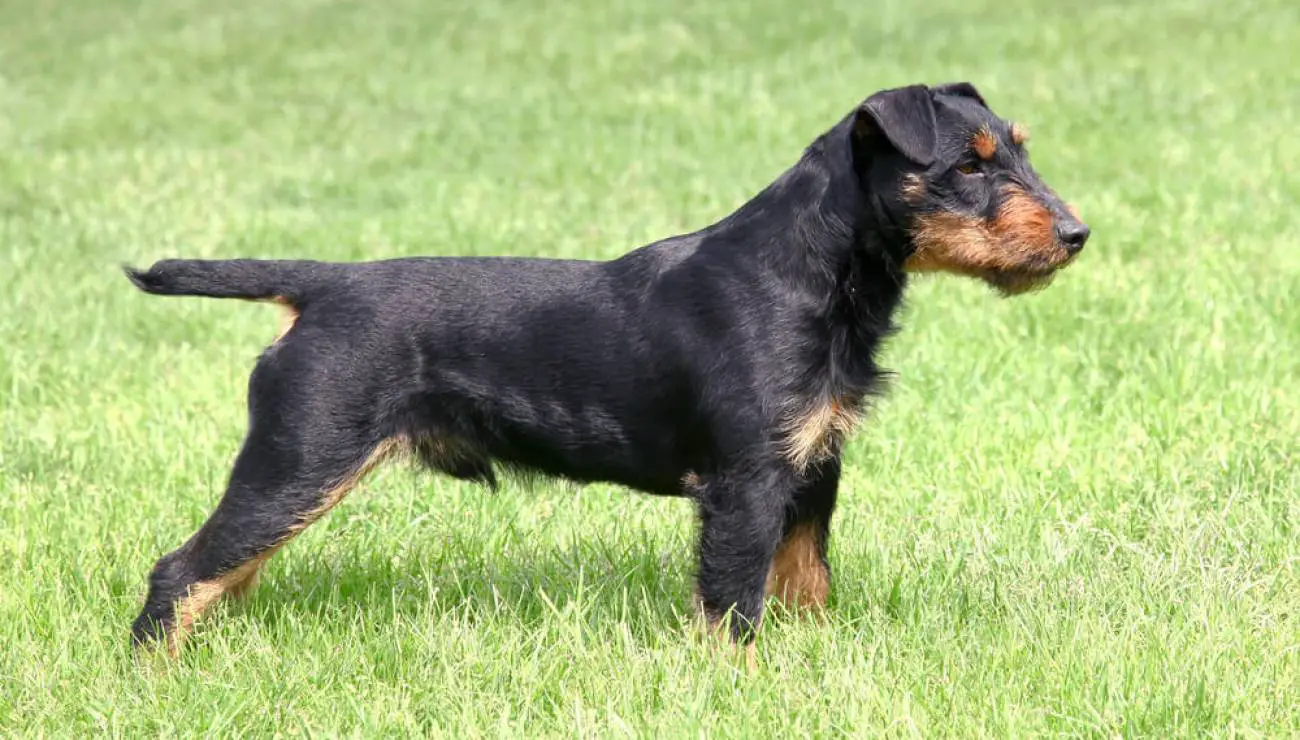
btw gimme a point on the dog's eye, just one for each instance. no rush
(970, 168)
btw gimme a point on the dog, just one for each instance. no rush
(726, 365)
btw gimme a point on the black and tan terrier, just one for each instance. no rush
(726, 365)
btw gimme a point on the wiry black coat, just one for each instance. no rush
(721, 364)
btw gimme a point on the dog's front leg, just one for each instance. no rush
(742, 515)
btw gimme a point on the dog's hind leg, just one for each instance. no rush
(301, 456)
(800, 577)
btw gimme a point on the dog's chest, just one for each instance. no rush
(814, 431)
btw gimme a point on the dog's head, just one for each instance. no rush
(958, 178)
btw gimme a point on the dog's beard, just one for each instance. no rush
(1019, 282)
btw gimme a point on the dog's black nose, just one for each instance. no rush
(1073, 235)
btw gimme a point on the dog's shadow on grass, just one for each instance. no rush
(645, 590)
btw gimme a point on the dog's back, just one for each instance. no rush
(565, 367)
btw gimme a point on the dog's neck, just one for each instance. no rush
(863, 249)
(833, 246)
(817, 222)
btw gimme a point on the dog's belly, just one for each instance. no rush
(629, 459)
(630, 437)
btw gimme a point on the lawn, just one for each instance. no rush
(1076, 513)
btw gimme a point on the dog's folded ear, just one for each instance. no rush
(903, 116)
(964, 89)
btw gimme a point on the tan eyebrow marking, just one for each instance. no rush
(1019, 133)
(984, 143)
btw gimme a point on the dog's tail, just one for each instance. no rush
(286, 281)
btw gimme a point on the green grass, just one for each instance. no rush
(1076, 513)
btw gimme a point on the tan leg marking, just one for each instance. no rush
(384, 451)
(798, 577)
(241, 589)
(240, 579)
(201, 596)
